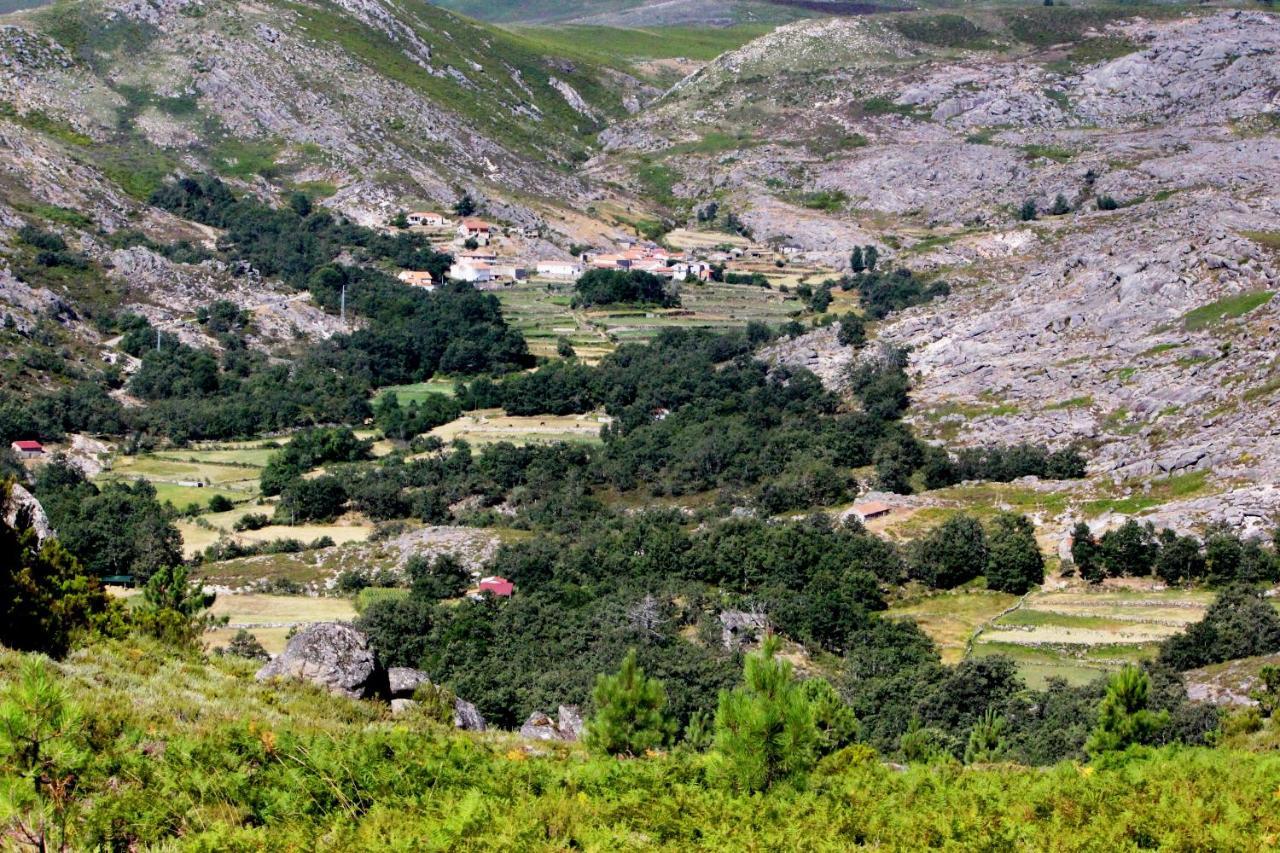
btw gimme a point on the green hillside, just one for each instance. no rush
(225, 763)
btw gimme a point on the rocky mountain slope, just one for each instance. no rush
(367, 106)
(1147, 331)
(1142, 327)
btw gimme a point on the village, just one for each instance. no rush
(490, 256)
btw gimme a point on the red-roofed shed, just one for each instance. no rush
(501, 587)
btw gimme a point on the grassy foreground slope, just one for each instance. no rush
(226, 763)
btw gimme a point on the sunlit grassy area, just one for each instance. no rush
(486, 426)
(269, 617)
(951, 618)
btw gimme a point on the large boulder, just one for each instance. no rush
(467, 717)
(569, 727)
(23, 510)
(334, 656)
(404, 681)
(570, 722)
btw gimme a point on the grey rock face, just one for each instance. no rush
(403, 681)
(571, 724)
(334, 656)
(466, 717)
(24, 508)
(738, 627)
(399, 706)
(540, 726)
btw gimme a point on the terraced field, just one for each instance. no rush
(542, 311)
(1076, 633)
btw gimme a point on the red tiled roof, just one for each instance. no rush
(28, 445)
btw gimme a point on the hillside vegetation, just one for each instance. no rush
(244, 766)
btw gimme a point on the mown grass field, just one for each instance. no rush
(270, 617)
(418, 391)
(486, 426)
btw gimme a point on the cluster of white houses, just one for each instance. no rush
(476, 262)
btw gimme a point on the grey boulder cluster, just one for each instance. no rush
(567, 726)
(339, 658)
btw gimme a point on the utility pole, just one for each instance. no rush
(157, 339)
(344, 306)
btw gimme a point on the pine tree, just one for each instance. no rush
(856, 263)
(1027, 213)
(871, 254)
(764, 730)
(986, 739)
(1060, 205)
(631, 712)
(42, 753)
(1123, 716)
(835, 721)
(246, 645)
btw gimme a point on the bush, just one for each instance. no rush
(953, 553)
(613, 287)
(1239, 624)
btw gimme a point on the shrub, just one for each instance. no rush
(1123, 717)
(953, 553)
(1239, 624)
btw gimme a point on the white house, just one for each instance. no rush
(515, 272)
(559, 269)
(475, 229)
(427, 219)
(472, 271)
(418, 278)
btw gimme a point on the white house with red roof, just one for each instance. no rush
(28, 449)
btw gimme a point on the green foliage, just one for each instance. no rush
(1085, 553)
(631, 713)
(986, 739)
(765, 733)
(318, 499)
(246, 645)
(836, 723)
(1240, 623)
(1227, 308)
(43, 751)
(114, 529)
(953, 553)
(622, 287)
(1014, 563)
(1124, 718)
(47, 601)
(887, 291)
(945, 30)
(443, 577)
(1028, 211)
(1267, 693)
(852, 332)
